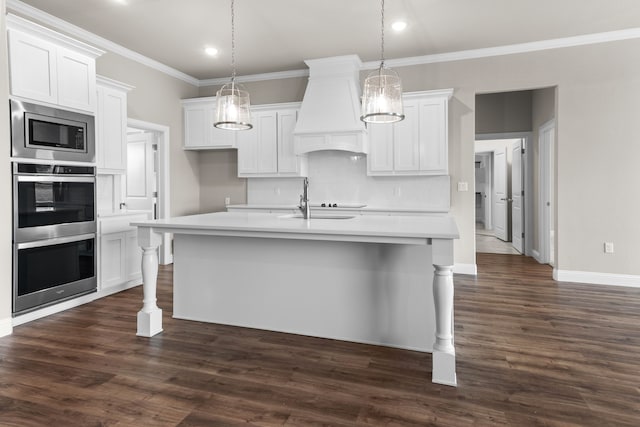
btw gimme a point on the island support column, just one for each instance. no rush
(150, 316)
(444, 353)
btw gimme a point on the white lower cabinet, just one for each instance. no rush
(119, 263)
(417, 145)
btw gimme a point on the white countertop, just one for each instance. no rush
(408, 229)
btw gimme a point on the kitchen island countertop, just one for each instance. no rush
(376, 279)
(374, 228)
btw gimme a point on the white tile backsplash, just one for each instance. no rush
(341, 177)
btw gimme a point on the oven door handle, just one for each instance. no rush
(48, 178)
(56, 241)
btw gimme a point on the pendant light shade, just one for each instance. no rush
(382, 97)
(233, 110)
(382, 93)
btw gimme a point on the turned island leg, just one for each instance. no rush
(444, 353)
(150, 316)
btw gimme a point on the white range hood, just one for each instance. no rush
(329, 117)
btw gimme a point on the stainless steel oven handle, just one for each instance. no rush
(49, 178)
(56, 241)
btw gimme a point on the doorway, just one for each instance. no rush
(501, 174)
(546, 202)
(148, 161)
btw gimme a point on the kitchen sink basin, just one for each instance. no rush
(318, 216)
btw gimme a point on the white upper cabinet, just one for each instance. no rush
(267, 150)
(111, 126)
(51, 68)
(418, 145)
(199, 132)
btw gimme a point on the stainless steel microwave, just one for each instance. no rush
(47, 133)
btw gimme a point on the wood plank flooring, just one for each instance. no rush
(530, 352)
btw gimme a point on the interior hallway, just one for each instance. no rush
(487, 242)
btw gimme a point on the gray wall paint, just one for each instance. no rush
(218, 179)
(503, 112)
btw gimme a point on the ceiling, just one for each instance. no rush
(278, 35)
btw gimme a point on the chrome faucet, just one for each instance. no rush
(304, 200)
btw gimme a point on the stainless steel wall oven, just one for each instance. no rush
(54, 233)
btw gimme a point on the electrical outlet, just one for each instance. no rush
(608, 247)
(463, 186)
(227, 201)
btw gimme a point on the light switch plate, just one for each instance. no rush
(463, 186)
(608, 247)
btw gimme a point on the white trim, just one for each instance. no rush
(595, 278)
(586, 39)
(544, 183)
(61, 25)
(471, 269)
(66, 27)
(53, 309)
(536, 255)
(22, 25)
(6, 327)
(164, 194)
(278, 75)
(114, 84)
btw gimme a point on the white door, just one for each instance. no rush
(500, 195)
(517, 211)
(141, 173)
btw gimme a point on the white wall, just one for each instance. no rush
(341, 177)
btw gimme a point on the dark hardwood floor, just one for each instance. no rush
(530, 352)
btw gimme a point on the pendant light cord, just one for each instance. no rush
(233, 43)
(382, 37)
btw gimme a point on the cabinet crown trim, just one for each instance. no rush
(16, 23)
(113, 84)
(429, 94)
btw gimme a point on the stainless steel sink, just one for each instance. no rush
(317, 216)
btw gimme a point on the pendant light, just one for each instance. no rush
(382, 93)
(233, 106)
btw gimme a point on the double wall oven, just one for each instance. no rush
(54, 205)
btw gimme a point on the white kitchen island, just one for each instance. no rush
(385, 280)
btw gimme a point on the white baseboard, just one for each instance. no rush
(536, 255)
(594, 278)
(6, 327)
(470, 269)
(53, 309)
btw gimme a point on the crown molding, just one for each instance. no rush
(24, 9)
(587, 39)
(16, 6)
(257, 77)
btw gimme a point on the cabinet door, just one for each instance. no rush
(133, 257)
(380, 157)
(406, 139)
(266, 124)
(112, 130)
(76, 80)
(288, 162)
(112, 259)
(219, 138)
(258, 146)
(433, 136)
(247, 142)
(195, 126)
(33, 67)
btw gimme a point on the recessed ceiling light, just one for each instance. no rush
(399, 25)
(211, 51)
(121, 1)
